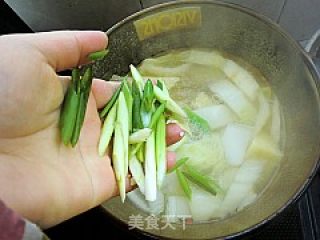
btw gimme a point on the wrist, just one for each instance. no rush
(11, 224)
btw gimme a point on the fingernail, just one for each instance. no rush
(132, 182)
(181, 134)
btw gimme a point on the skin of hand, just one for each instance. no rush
(40, 178)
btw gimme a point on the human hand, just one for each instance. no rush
(41, 178)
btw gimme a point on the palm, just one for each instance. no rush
(60, 174)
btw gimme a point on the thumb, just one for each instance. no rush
(31, 92)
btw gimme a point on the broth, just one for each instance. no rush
(241, 151)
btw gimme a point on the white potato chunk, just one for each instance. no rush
(242, 79)
(263, 145)
(177, 207)
(263, 113)
(234, 99)
(217, 116)
(234, 197)
(236, 139)
(204, 206)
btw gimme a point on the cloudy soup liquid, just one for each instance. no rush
(240, 150)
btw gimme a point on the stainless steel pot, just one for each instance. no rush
(260, 42)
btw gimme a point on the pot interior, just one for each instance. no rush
(207, 24)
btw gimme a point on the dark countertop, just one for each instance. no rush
(10, 22)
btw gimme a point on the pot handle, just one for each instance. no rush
(313, 48)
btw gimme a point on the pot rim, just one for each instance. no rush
(308, 61)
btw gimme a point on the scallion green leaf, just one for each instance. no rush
(98, 55)
(155, 116)
(112, 101)
(178, 164)
(160, 84)
(196, 120)
(68, 114)
(148, 96)
(184, 183)
(201, 180)
(84, 92)
(136, 118)
(75, 78)
(79, 120)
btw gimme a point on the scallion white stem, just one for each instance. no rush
(137, 172)
(150, 169)
(139, 136)
(122, 118)
(118, 160)
(107, 130)
(137, 77)
(129, 101)
(161, 150)
(170, 103)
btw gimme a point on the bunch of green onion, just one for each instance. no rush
(75, 101)
(136, 118)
